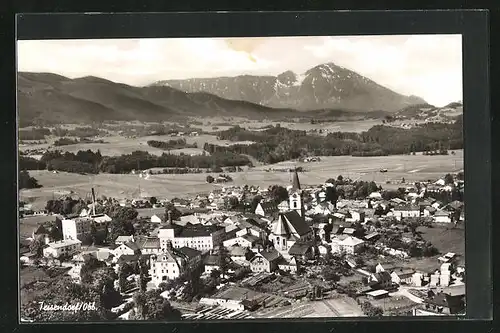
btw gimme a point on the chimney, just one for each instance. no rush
(93, 201)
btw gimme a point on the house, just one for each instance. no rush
(380, 280)
(402, 276)
(351, 245)
(157, 218)
(324, 249)
(266, 208)
(356, 216)
(442, 216)
(417, 279)
(149, 245)
(169, 264)
(397, 201)
(377, 294)
(336, 240)
(124, 239)
(246, 240)
(349, 231)
(192, 257)
(238, 253)
(129, 248)
(290, 265)
(67, 247)
(437, 204)
(371, 237)
(406, 211)
(289, 228)
(324, 208)
(445, 304)
(301, 250)
(447, 258)
(429, 211)
(265, 261)
(375, 195)
(212, 262)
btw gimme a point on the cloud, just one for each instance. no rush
(429, 66)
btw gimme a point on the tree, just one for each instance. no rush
(255, 202)
(231, 202)
(174, 212)
(153, 200)
(223, 259)
(36, 247)
(359, 261)
(26, 181)
(370, 310)
(331, 195)
(215, 274)
(120, 228)
(90, 264)
(278, 193)
(329, 274)
(59, 293)
(210, 179)
(150, 305)
(448, 179)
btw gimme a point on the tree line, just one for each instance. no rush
(170, 144)
(94, 162)
(278, 144)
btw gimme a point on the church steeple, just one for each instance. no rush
(295, 199)
(295, 181)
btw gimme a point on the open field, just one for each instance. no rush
(28, 224)
(118, 145)
(412, 168)
(337, 126)
(446, 239)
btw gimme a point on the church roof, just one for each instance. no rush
(297, 222)
(280, 227)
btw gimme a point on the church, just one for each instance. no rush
(290, 234)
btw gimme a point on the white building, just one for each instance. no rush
(351, 245)
(76, 228)
(442, 216)
(195, 236)
(67, 247)
(406, 211)
(171, 263)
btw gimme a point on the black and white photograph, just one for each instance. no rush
(207, 179)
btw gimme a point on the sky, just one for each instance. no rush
(428, 66)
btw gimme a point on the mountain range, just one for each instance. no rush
(324, 92)
(325, 86)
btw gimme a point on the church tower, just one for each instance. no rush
(295, 198)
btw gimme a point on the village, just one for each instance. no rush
(300, 251)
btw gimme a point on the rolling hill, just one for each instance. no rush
(325, 86)
(430, 113)
(50, 98)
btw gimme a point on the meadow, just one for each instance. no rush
(411, 167)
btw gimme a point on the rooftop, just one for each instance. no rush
(63, 243)
(376, 293)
